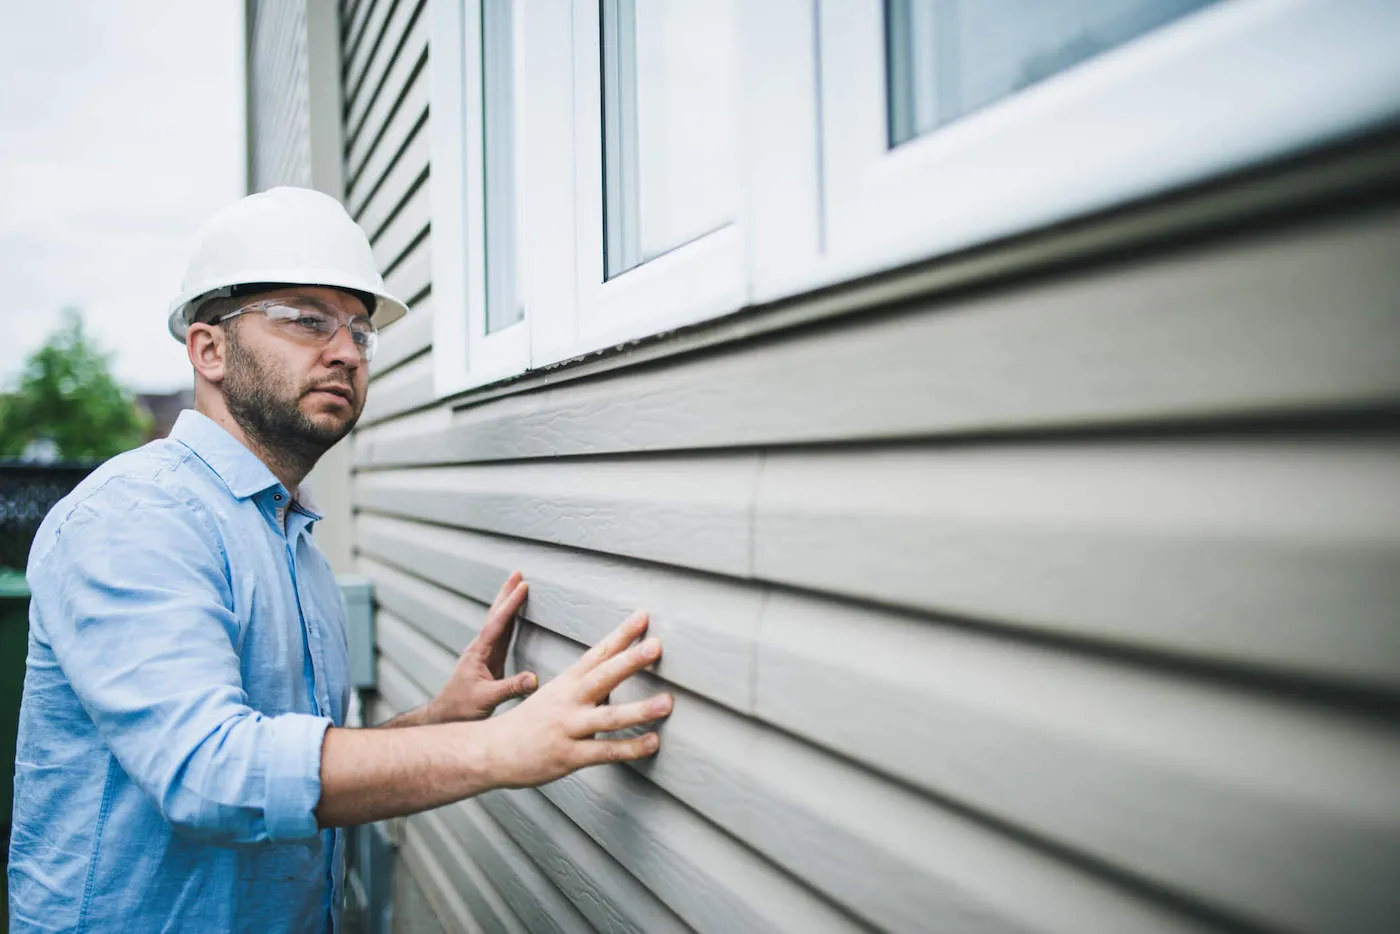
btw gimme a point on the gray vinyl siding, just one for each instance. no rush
(279, 121)
(1057, 601)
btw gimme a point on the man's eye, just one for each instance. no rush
(310, 322)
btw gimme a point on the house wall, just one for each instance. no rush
(1051, 588)
(279, 119)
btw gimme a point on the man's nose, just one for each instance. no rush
(341, 347)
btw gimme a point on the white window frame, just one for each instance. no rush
(464, 354)
(823, 199)
(701, 279)
(1160, 112)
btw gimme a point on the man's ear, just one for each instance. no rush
(207, 346)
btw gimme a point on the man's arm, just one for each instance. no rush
(369, 775)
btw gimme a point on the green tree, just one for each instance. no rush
(68, 396)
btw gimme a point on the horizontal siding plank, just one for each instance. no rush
(356, 31)
(408, 117)
(459, 892)
(427, 663)
(403, 340)
(358, 56)
(1286, 323)
(708, 626)
(692, 513)
(402, 42)
(442, 615)
(407, 388)
(1285, 812)
(407, 226)
(408, 171)
(707, 878)
(1280, 553)
(398, 691)
(444, 895)
(349, 10)
(541, 908)
(409, 280)
(413, 423)
(818, 817)
(401, 93)
(601, 889)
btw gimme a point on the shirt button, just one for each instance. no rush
(277, 496)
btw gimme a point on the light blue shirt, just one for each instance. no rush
(186, 654)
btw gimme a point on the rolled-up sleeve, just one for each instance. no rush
(294, 776)
(133, 597)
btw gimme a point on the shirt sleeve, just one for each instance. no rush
(133, 598)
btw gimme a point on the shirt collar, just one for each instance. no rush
(240, 469)
(306, 502)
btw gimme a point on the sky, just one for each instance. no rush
(121, 130)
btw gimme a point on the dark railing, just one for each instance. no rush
(27, 492)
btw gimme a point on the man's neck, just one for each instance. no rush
(290, 474)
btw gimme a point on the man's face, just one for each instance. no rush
(287, 391)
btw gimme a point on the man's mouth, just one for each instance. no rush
(343, 392)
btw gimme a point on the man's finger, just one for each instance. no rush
(627, 632)
(624, 716)
(507, 587)
(499, 617)
(600, 682)
(498, 692)
(600, 751)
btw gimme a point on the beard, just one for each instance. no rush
(267, 406)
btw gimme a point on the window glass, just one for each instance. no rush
(502, 309)
(947, 58)
(669, 139)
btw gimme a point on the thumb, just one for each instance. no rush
(516, 686)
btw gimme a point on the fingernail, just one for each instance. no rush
(650, 742)
(660, 705)
(531, 682)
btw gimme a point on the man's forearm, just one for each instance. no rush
(418, 716)
(370, 775)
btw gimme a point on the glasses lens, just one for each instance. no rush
(300, 320)
(315, 325)
(366, 338)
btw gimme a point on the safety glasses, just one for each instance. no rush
(311, 324)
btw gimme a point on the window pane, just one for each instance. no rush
(668, 125)
(502, 310)
(950, 57)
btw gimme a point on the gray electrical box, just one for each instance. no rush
(358, 594)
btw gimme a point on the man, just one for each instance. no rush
(182, 757)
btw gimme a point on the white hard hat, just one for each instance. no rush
(283, 236)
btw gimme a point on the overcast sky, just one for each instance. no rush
(121, 129)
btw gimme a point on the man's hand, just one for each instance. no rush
(552, 733)
(478, 683)
(370, 775)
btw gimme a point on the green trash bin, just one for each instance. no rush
(14, 646)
